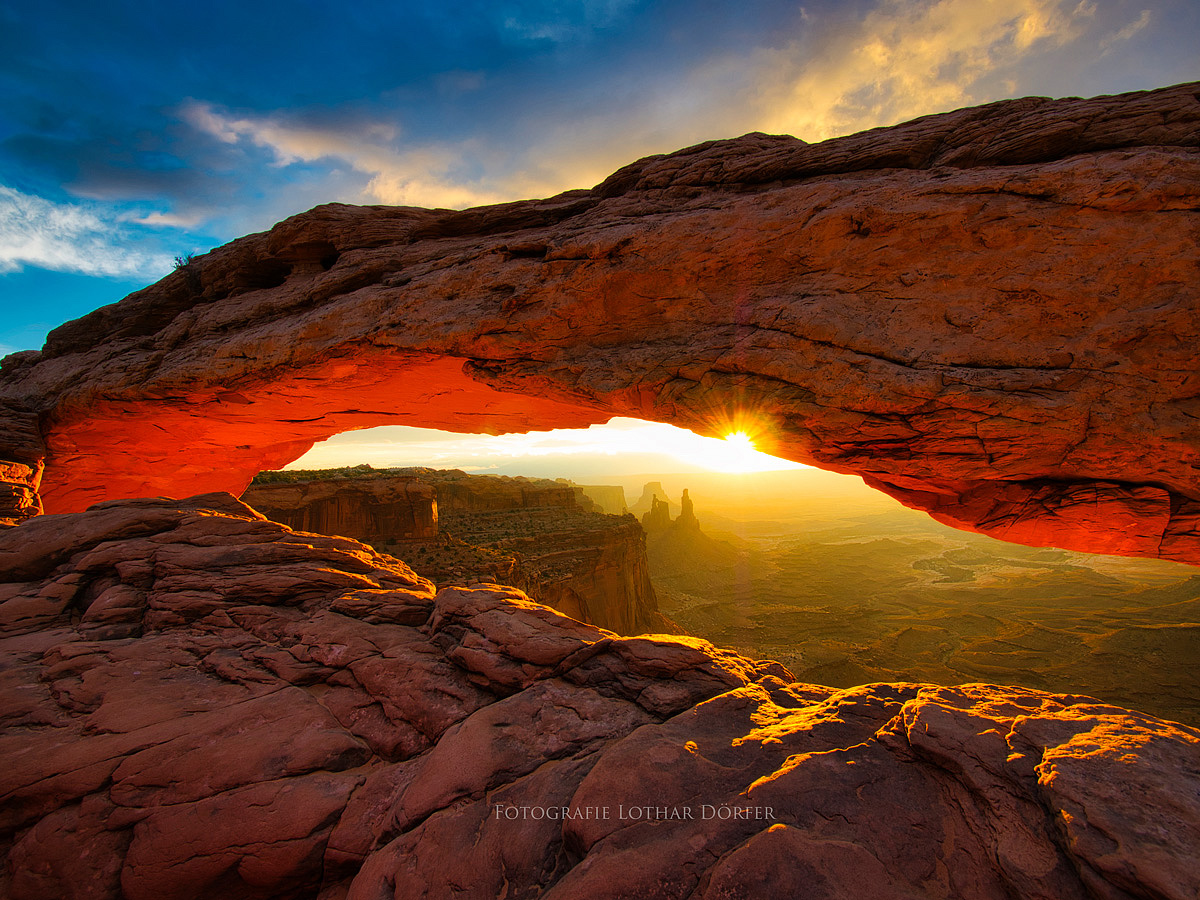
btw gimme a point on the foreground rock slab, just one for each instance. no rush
(197, 702)
(989, 314)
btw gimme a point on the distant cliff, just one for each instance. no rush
(458, 491)
(610, 498)
(541, 536)
(591, 566)
(366, 509)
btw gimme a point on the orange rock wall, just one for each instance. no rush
(610, 586)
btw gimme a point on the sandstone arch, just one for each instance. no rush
(990, 314)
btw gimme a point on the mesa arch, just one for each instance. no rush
(990, 314)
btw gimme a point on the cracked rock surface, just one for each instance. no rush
(990, 314)
(197, 702)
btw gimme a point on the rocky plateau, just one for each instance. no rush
(545, 537)
(199, 702)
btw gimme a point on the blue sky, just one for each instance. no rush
(131, 133)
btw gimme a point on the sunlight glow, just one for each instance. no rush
(738, 454)
(620, 439)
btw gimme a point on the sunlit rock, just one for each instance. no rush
(989, 314)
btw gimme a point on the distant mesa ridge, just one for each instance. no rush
(651, 491)
(988, 314)
(545, 537)
(608, 498)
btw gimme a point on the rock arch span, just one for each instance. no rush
(990, 314)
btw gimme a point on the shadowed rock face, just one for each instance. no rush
(989, 314)
(198, 702)
(366, 509)
(589, 566)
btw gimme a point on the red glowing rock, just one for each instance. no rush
(989, 314)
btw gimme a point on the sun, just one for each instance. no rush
(737, 453)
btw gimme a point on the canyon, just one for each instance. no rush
(987, 313)
(352, 504)
(844, 586)
(541, 536)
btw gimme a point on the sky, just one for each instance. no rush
(620, 447)
(132, 133)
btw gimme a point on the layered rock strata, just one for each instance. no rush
(989, 314)
(590, 566)
(398, 508)
(532, 533)
(198, 702)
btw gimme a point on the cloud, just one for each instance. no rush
(901, 60)
(904, 60)
(572, 21)
(831, 76)
(165, 220)
(421, 176)
(1127, 32)
(69, 237)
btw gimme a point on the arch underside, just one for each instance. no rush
(1000, 331)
